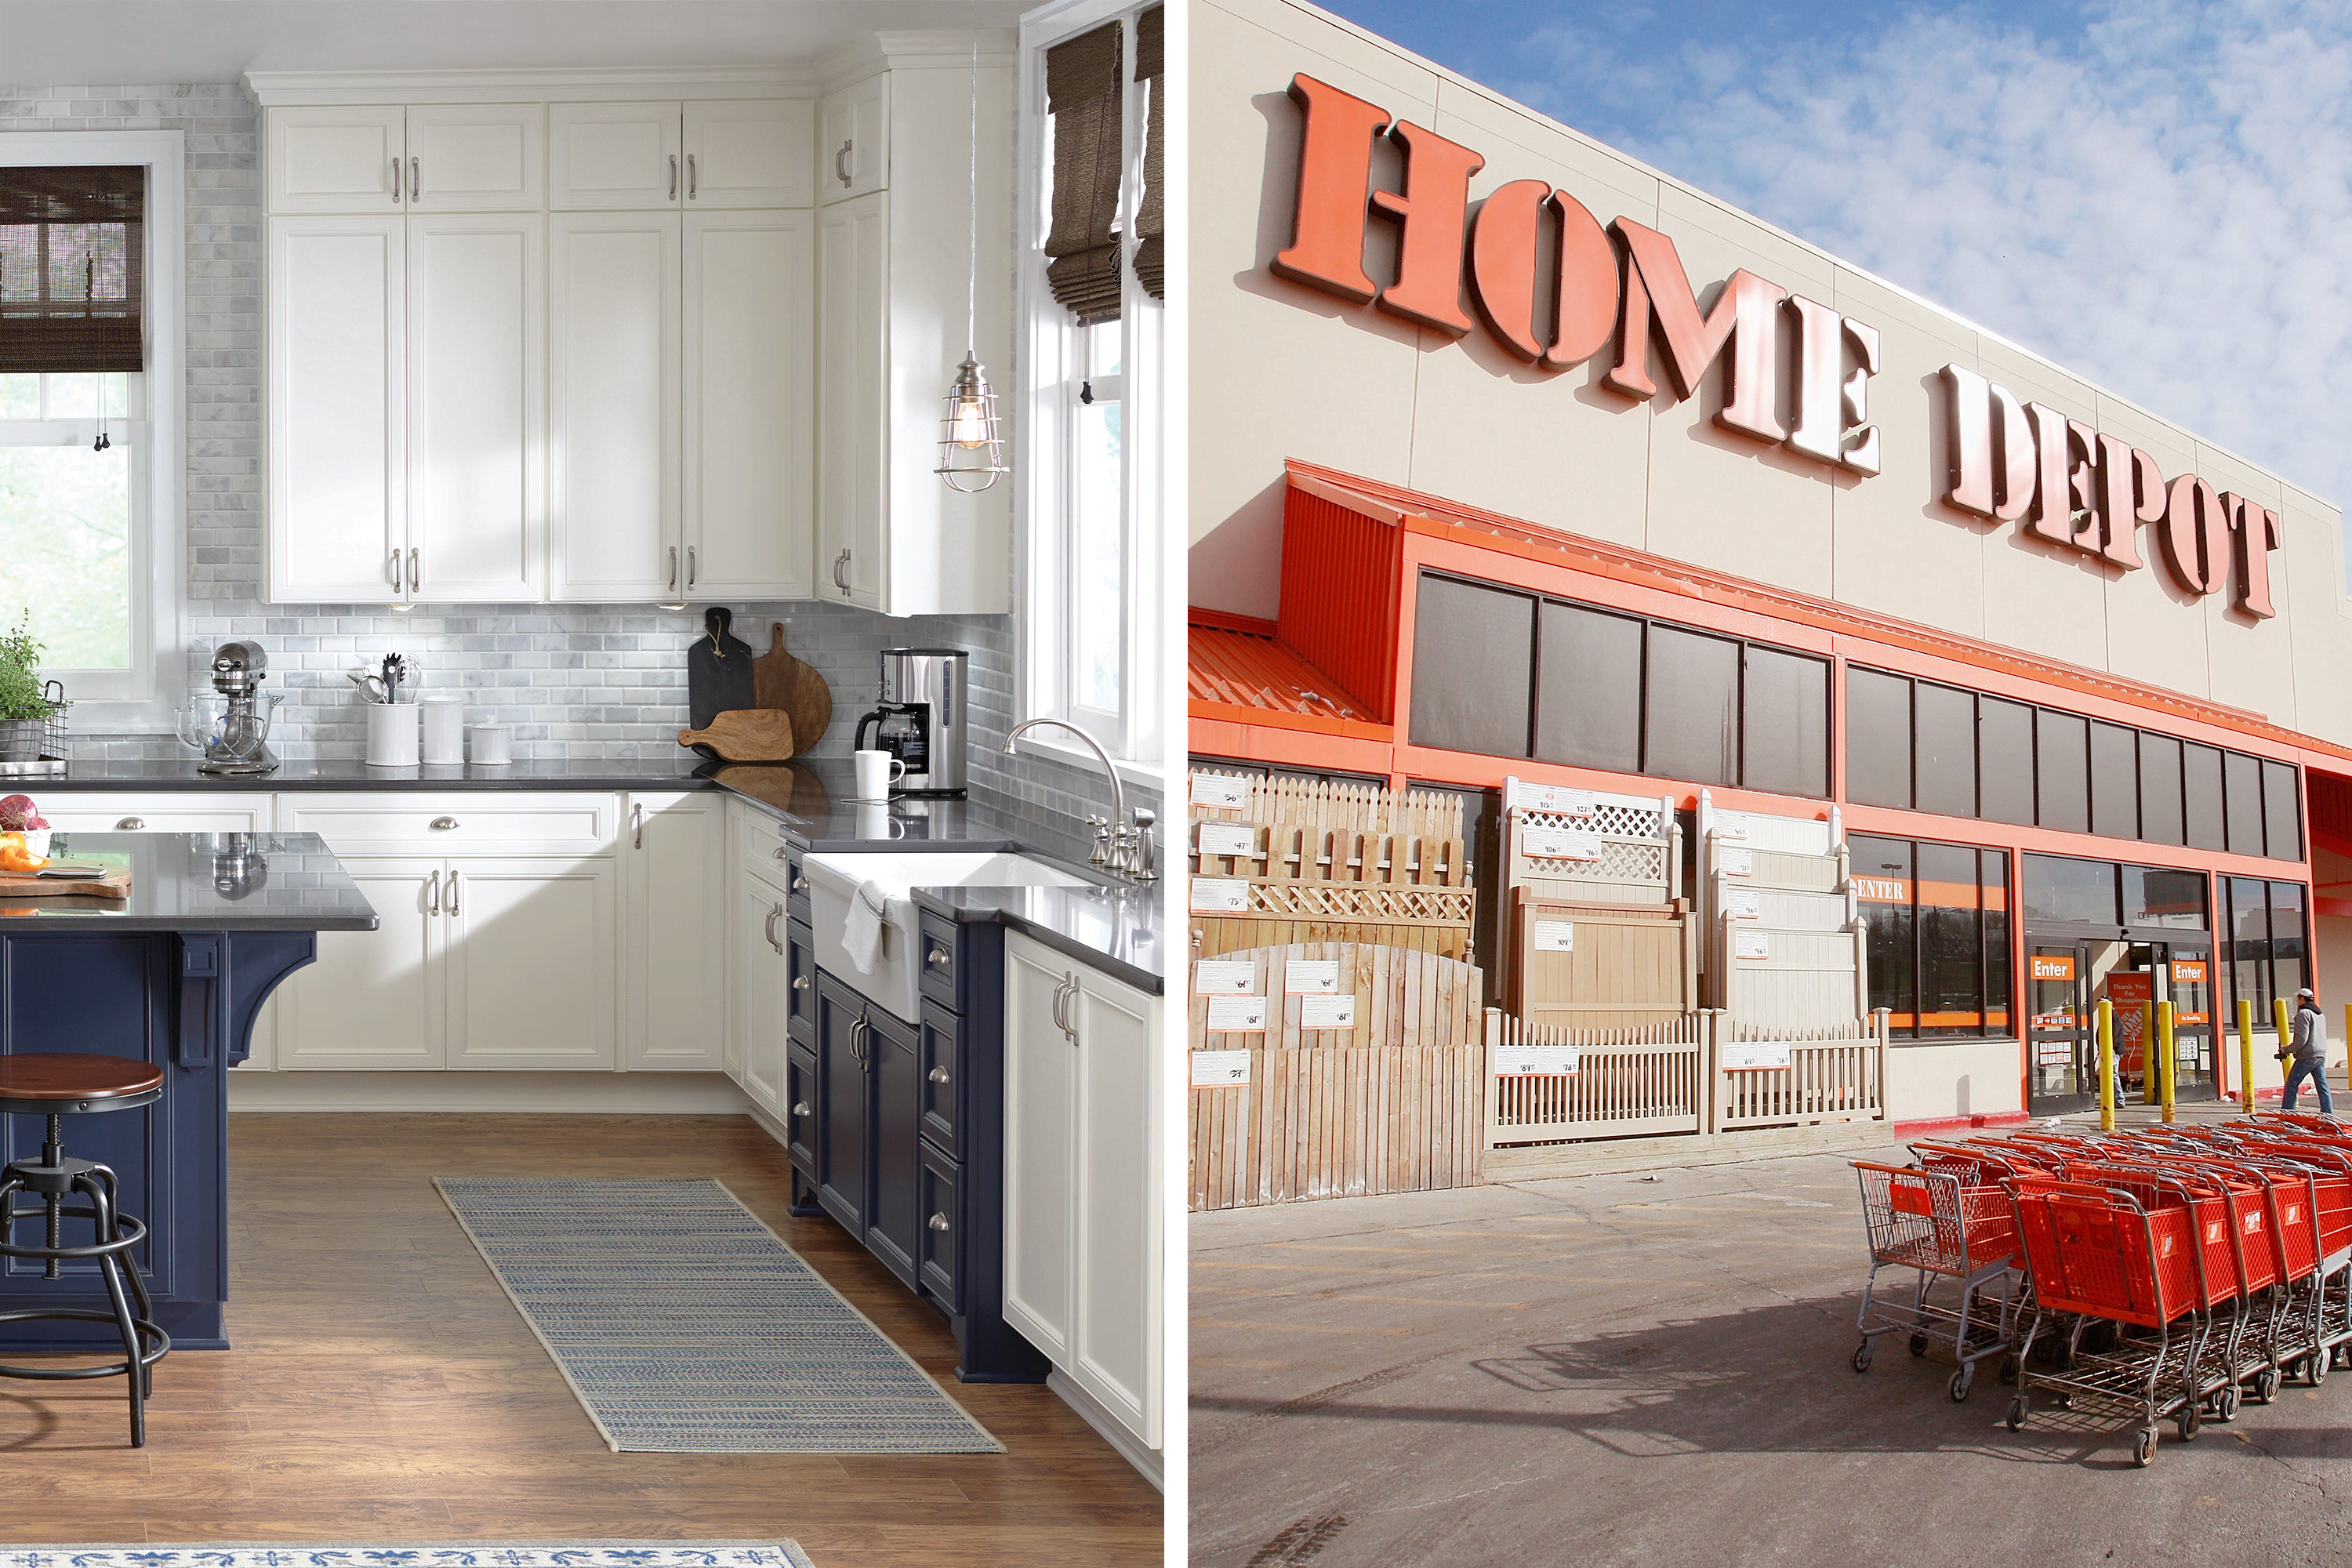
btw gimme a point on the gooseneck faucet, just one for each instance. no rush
(1130, 850)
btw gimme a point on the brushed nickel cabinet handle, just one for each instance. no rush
(690, 177)
(395, 571)
(936, 956)
(432, 906)
(442, 824)
(453, 893)
(689, 565)
(938, 1222)
(396, 182)
(131, 825)
(938, 1075)
(415, 182)
(841, 164)
(841, 560)
(799, 1108)
(800, 982)
(673, 568)
(412, 571)
(774, 916)
(673, 176)
(637, 825)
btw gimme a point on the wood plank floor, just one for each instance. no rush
(382, 1386)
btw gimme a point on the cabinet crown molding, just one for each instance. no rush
(928, 49)
(271, 89)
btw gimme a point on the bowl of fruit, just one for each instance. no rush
(20, 817)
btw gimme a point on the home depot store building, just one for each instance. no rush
(1512, 456)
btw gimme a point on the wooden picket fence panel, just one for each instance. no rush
(1392, 1105)
(1630, 965)
(1837, 1074)
(1333, 805)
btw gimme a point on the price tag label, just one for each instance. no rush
(1730, 829)
(1227, 839)
(1237, 1014)
(1554, 800)
(1733, 861)
(1224, 977)
(1219, 1069)
(1534, 1061)
(1558, 844)
(1752, 1056)
(1220, 896)
(1221, 792)
(2054, 1053)
(1310, 977)
(1555, 936)
(1742, 904)
(1327, 1012)
(1752, 944)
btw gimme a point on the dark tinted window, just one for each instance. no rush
(1472, 651)
(1589, 691)
(2115, 781)
(2281, 814)
(1951, 956)
(1880, 869)
(2241, 785)
(2005, 761)
(2061, 889)
(1947, 729)
(2061, 748)
(2290, 972)
(2159, 789)
(2201, 772)
(1787, 722)
(1877, 738)
(1996, 939)
(1692, 727)
(2154, 896)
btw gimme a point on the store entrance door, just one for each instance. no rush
(2068, 979)
(2062, 1066)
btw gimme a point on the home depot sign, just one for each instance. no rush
(1624, 289)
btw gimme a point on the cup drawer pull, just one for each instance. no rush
(938, 1075)
(800, 982)
(799, 1108)
(131, 825)
(938, 1222)
(937, 955)
(442, 824)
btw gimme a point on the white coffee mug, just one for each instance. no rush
(877, 772)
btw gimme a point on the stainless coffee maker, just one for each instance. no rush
(921, 720)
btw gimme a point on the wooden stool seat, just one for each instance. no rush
(71, 1083)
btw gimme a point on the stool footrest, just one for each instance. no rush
(147, 1332)
(133, 1231)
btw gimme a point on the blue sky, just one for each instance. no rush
(2156, 195)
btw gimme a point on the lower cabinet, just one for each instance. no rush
(673, 950)
(844, 1161)
(755, 1045)
(1082, 1215)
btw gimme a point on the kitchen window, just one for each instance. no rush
(1095, 127)
(91, 474)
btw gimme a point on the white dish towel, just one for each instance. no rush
(862, 938)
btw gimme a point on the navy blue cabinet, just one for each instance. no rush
(843, 1122)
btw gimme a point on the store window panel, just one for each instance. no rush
(2281, 814)
(1472, 651)
(2159, 789)
(1946, 750)
(1880, 869)
(1951, 941)
(2062, 770)
(1877, 738)
(2005, 761)
(2241, 795)
(1589, 689)
(2115, 781)
(1691, 727)
(1785, 722)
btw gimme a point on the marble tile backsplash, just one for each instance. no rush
(575, 681)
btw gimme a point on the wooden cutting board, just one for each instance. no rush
(745, 735)
(780, 680)
(115, 884)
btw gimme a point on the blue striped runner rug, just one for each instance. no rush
(685, 1326)
(437, 1555)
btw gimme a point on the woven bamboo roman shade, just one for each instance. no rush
(72, 244)
(1152, 212)
(1082, 93)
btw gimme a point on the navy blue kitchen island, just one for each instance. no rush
(173, 976)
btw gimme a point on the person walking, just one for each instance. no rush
(2307, 1051)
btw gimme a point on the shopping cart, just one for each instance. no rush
(2124, 1251)
(1950, 1219)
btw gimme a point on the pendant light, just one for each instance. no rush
(971, 452)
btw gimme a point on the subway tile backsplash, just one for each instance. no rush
(575, 681)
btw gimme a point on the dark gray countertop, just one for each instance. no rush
(205, 882)
(1115, 930)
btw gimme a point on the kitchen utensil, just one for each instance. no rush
(395, 670)
(744, 735)
(371, 687)
(445, 729)
(780, 680)
(876, 773)
(719, 671)
(493, 745)
(392, 734)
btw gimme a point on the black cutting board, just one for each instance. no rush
(718, 671)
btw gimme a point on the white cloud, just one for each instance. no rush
(2162, 204)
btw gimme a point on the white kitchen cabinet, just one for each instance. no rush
(759, 1012)
(682, 411)
(853, 139)
(477, 407)
(674, 933)
(368, 158)
(173, 811)
(528, 949)
(476, 157)
(374, 999)
(892, 285)
(1083, 1235)
(337, 299)
(689, 156)
(750, 417)
(336, 158)
(615, 157)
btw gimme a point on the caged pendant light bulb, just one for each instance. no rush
(971, 452)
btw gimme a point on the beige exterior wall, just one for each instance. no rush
(1279, 369)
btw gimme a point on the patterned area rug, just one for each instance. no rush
(442, 1555)
(685, 1326)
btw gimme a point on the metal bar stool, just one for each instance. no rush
(58, 1085)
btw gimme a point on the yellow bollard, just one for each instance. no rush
(2148, 1087)
(2164, 1042)
(2106, 1066)
(2282, 1013)
(2246, 1053)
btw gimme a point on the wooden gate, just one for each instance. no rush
(1627, 1082)
(1391, 1102)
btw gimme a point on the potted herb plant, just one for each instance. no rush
(27, 711)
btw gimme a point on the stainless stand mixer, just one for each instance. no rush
(234, 738)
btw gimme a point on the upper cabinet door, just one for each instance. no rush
(476, 157)
(753, 153)
(613, 416)
(335, 384)
(477, 407)
(749, 423)
(854, 141)
(614, 157)
(337, 160)
(852, 344)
